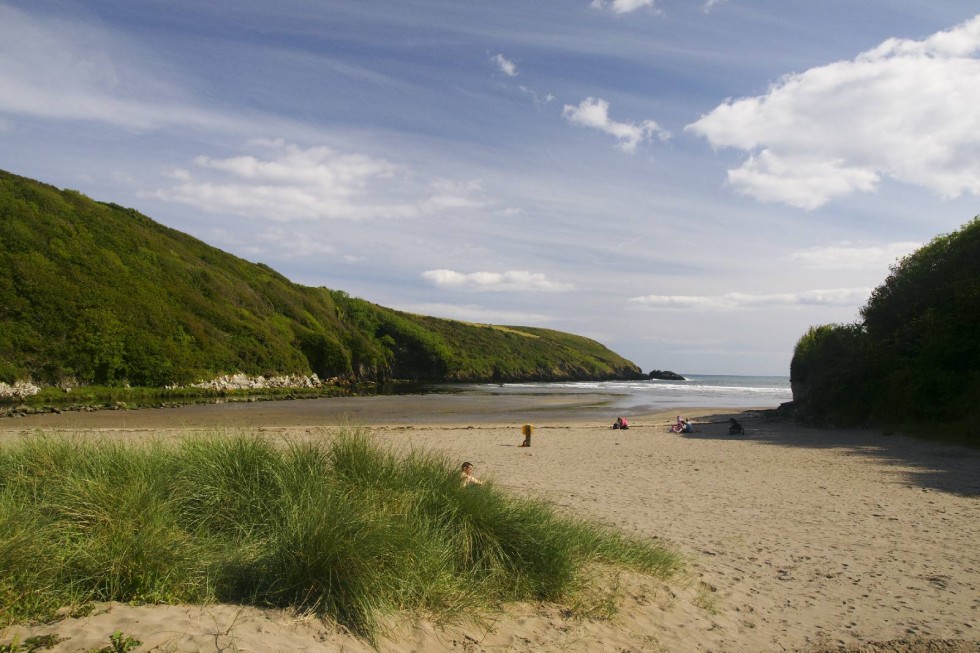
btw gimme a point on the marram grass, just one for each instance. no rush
(343, 528)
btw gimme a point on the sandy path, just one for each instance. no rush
(797, 539)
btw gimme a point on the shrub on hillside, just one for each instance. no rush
(914, 357)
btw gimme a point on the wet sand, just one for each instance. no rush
(437, 408)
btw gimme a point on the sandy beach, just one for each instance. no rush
(795, 539)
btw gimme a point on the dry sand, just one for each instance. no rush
(795, 539)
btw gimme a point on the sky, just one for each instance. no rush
(693, 183)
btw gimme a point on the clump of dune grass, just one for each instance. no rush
(343, 528)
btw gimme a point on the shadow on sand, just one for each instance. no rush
(938, 466)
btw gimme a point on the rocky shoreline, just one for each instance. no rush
(250, 386)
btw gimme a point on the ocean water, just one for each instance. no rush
(696, 391)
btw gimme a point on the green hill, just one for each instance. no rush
(915, 355)
(94, 293)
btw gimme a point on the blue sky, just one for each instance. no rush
(693, 183)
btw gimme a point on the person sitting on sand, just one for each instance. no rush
(688, 426)
(466, 475)
(621, 423)
(678, 426)
(734, 428)
(527, 430)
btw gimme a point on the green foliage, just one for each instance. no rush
(915, 357)
(344, 528)
(833, 361)
(32, 644)
(119, 643)
(98, 294)
(427, 348)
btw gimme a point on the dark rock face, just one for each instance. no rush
(665, 375)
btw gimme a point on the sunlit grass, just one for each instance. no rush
(343, 528)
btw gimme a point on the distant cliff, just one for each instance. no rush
(94, 293)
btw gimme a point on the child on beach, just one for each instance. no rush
(527, 430)
(466, 475)
(621, 423)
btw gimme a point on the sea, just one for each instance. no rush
(650, 395)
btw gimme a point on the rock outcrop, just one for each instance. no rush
(245, 382)
(18, 391)
(665, 375)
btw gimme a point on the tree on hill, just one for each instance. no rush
(915, 354)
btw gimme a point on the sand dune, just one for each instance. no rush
(796, 539)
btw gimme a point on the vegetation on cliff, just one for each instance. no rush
(914, 357)
(94, 293)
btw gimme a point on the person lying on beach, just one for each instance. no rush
(734, 428)
(621, 423)
(466, 475)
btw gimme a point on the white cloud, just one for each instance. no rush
(622, 6)
(315, 183)
(849, 256)
(475, 313)
(905, 110)
(505, 65)
(65, 70)
(731, 301)
(594, 113)
(510, 281)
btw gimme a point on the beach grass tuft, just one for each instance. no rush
(343, 528)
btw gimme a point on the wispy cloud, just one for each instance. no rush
(476, 313)
(510, 281)
(622, 6)
(904, 110)
(594, 113)
(539, 99)
(315, 183)
(505, 65)
(287, 242)
(67, 70)
(732, 301)
(849, 256)
(273, 242)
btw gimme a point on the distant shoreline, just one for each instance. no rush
(459, 409)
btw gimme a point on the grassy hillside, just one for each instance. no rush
(94, 293)
(915, 355)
